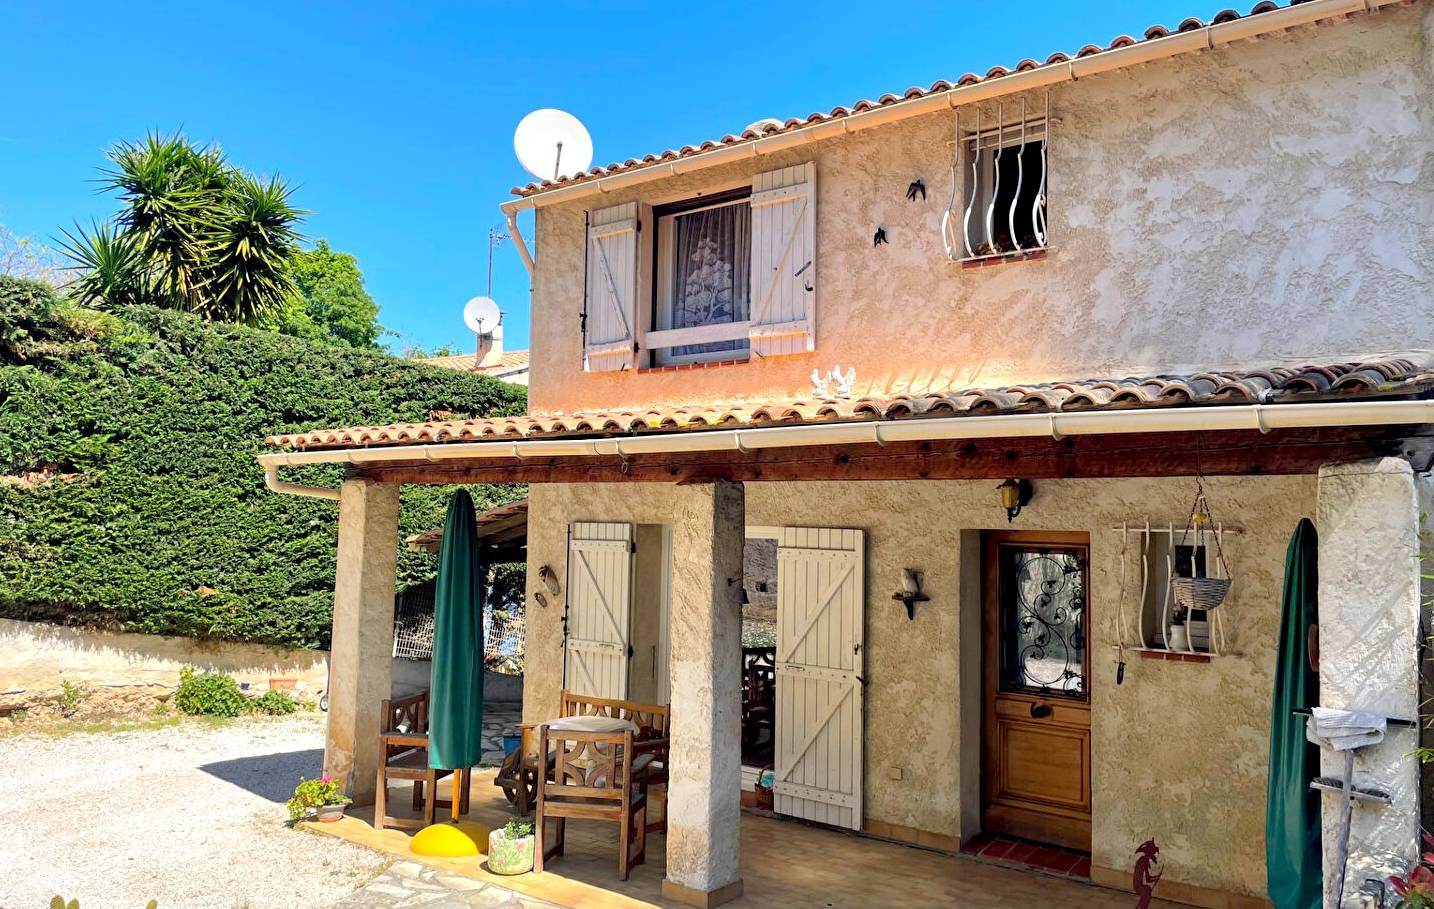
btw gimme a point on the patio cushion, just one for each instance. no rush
(592, 724)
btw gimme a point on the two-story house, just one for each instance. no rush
(953, 368)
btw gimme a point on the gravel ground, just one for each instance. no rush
(189, 815)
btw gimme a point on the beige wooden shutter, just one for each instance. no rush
(610, 305)
(600, 564)
(820, 617)
(784, 261)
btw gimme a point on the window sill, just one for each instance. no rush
(680, 367)
(1174, 656)
(1024, 255)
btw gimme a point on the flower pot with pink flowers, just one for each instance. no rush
(322, 798)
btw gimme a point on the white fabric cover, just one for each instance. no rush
(592, 724)
(1343, 730)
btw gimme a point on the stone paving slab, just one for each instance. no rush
(410, 885)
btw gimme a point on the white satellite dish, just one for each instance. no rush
(551, 143)
(481, 315)
(761, 125)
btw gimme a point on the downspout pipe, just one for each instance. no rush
(512, 215)
(1262, 417)
(272, 481)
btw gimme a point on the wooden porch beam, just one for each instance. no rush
(1077, 457)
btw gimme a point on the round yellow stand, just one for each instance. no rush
(452, 839)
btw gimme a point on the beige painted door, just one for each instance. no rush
(820, 618)
(1036, 722)
(599, 611)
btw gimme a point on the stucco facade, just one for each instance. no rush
(1269, 203)
(1265, 203)
(1178, 751)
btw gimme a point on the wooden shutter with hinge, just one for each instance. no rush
(611, 289)
(820, 616)
(599, 617)
(784, 261)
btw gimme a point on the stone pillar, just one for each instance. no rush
(361, 655)
(705, 787)
(1368, 643)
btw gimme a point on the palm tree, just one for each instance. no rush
(193, 233)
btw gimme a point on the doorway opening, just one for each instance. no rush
(1035, 699)
(759, 652)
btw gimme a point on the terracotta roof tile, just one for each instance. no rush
(1152, 33)
(1278, 385)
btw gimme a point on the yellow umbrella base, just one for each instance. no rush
(450, 840)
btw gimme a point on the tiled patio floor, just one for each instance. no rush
(784, 864)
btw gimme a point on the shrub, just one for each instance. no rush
(311, 794)
(131, 496)
(518, 827)
(70, 697)
(274, 703)
(208, 694)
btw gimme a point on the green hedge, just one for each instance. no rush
(129, 493)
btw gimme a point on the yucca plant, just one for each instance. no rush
(110, 264)
(193, 233)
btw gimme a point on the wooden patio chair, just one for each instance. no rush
(594, 776)
(518, 776)
(403, 755)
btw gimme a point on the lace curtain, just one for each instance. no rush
(711, 280)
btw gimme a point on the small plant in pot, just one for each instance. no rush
(510, 847)
(322, 798)
(1179, 634)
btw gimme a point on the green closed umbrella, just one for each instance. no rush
(1292, 816)
(455, 711)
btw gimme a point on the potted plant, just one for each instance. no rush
(510, 847)
(1179, 635)
(323, 798)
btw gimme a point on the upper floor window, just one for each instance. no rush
(1005, 177)
(704, 280)
(726, 276)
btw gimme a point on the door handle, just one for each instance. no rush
(1040, 711)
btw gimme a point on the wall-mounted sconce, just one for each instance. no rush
(1015, 495)
(549, 579)
(910, 593)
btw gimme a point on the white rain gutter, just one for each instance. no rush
(1263, 417)
(1208, 37)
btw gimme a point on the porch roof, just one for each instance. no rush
(1392, 378)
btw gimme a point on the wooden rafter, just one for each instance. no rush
(1078, 457)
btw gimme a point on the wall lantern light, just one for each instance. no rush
(549, 579)
(910, 593)
(1015, 495)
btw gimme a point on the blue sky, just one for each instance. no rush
(395, 120)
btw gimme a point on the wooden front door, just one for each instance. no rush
(1036, 722)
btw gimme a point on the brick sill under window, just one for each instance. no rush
(1025, 255)
(680, 367)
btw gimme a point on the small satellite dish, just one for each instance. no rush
(761, 125)
(551, 143)
(481, 315)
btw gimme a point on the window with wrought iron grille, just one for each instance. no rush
(1005, 174)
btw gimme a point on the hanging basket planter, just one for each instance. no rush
(1200, 593)
(1208, 592)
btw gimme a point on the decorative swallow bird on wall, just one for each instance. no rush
(880, 237)
(916, 187)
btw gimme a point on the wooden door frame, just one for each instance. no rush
(991, 541)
